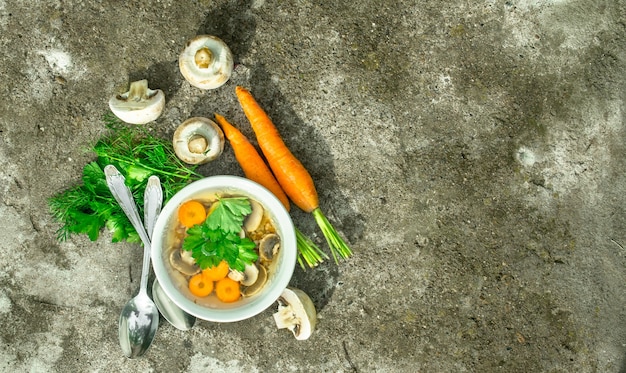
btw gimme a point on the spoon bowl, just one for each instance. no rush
(180, 319)
(139, 321)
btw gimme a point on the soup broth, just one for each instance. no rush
(258, 226)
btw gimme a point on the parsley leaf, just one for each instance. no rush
(229, 214)
(218, 238)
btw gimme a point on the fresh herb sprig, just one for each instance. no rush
(218, 237)
(89, 207)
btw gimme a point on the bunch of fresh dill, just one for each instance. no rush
(89, 207)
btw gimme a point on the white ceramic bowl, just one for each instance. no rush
(278, 278)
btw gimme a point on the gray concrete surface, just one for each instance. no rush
(472, 152)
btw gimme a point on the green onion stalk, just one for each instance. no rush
(338, 247)
(308, 251)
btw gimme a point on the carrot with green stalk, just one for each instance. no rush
(255, 169)
(292, 176)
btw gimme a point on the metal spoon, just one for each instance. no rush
(152, 202)
(180, 319)
(139, 319)
(153, 199)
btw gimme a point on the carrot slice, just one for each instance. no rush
(191, 213)
(216, 273)
(200, 286)
(227, 290)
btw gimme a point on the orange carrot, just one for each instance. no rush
(288, 170)
(290, 173)
(255, 169)
(216, 273)
(200, 286)
(227, 290)
(250, 160)
(191, 213)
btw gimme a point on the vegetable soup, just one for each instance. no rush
(221, 248)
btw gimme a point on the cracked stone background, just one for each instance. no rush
(471, 152)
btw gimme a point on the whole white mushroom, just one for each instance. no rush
(139, 105)
(198, 140)
(206, 62)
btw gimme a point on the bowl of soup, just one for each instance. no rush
(186, 251)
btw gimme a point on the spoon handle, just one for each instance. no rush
(123, 196)
(152, 202)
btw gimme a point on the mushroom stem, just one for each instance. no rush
(203, 58)
(198, 144)
(139, 105)
(285, 318)
(138, 90)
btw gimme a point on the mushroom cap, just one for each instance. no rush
(182, 264)
(257, 285)
(250, 274)
(296, 312)
(206, 62)
(139, 105)
(254, 218)
(186, 137)
(269, 246)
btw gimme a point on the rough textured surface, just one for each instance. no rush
(471, 151)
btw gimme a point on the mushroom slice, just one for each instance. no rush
(255, 287)
(206, 62)
(139, 105)
(250, 275)
(187, 257)
(268, 247)
(179, 260)
(253, 220)
(235, 275)
(296, 312)
(198, 140)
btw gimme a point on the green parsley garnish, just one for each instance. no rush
(229, 214)
(218, 238)
(89, 207)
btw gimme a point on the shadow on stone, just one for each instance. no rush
(235, 25)
(162, 75)
(309, 147)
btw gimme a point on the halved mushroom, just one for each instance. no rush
(206, 62)
(198, 140)
(250, 275)
(253, 220)
(139, 105)
(268, 247)
(296, 312)
(183, 262)
(257, 285)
